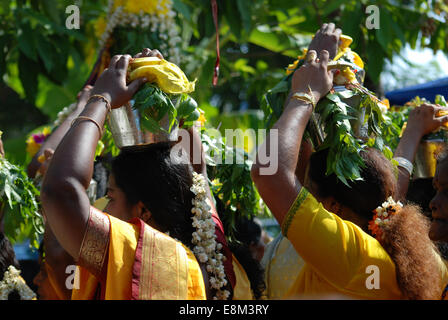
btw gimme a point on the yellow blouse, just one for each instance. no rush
(242, 290)
(341, 260)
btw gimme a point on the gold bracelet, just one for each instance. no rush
(305, 98)
(98, 96)
(88, 119)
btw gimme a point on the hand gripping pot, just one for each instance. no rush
(150, 117)
(344, 77)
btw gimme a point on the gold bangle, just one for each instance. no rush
(305, 98)
(88, 119)
(98, 96)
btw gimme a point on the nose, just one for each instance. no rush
(433, 204)
(38, 278)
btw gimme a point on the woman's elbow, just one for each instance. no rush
(255, 173)
(261, 174)
(57, 190)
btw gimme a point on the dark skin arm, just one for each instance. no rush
(55, 138)
(422, 120)
(306, 149)
(64, 199)
(280, 190)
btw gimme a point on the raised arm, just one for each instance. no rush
(64, 199)
(279, 190)
(55, 138)
(422, 120)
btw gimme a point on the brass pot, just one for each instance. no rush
(91, 191)
(124, 124)
(426, 158)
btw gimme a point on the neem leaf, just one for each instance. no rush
(187, 107)
(150, 124)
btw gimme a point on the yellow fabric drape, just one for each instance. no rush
(242, 290)
(282, 266)
(124, 240)
(168, 76)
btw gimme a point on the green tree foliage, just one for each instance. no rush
(47, 64)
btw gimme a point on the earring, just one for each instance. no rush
(337, 207)
(146, 216)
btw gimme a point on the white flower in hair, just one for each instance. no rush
(387, 209)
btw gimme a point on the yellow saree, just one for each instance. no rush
(132, 261)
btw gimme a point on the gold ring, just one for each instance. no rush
(311, 56)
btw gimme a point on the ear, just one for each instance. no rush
(143, 212)
(334, 206)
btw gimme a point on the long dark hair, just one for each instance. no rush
(406, 237)
(148, 174)
(361, 196)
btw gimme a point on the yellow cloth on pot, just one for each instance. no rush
(168, 76)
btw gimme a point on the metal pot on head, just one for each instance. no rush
(126, 129)
(426, 158)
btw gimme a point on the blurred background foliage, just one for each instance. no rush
(43, 65)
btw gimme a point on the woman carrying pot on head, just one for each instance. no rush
(150, 256)
(328, 222)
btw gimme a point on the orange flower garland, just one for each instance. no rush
(382, 217)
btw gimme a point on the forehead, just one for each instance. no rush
(111, 181)
(441, 176)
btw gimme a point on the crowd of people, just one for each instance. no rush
(160, 234)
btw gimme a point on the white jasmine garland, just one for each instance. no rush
(164, 24)
(63, 114)
(206, 248)
(12, 281)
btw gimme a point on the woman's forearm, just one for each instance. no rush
(407, 148)
(65, 202)
(52, 142)
(76, 152)
(290, 128)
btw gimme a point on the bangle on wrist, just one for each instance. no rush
(306, 97)
(101, 97)
(405, 164)
(84, 118)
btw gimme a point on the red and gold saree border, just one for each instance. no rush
(160, 270)
(95, 243)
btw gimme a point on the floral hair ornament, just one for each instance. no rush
(13, 281)
(35, 141)
(206, 249)
(382, 216)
